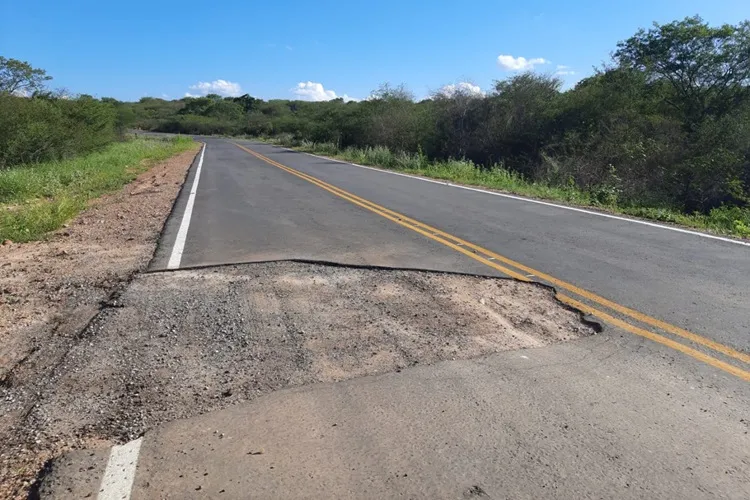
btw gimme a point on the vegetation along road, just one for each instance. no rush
(471, 425)
(534, 291)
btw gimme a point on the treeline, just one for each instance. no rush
(665, 124)
(38, 125)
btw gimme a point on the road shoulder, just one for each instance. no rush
(53, 288)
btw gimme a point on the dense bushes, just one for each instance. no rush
(665, 127)
(43, 128)
(200, 125)
(37, 125)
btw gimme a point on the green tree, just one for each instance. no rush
(521, 113)
(392, 119)
(19, 77)
(457, 115)
(248, 102)
(707, 68)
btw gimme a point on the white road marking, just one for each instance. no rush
(539, 202)
(179, 242)
(117, 482)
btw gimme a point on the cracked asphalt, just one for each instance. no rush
(247, 377)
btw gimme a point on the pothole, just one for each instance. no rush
(184, 343)
(180, 344)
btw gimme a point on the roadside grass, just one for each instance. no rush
(732, 221)
(39, 198)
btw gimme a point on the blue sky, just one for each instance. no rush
(315, 50)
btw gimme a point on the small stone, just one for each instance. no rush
(7, 242)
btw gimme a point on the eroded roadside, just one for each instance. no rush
(94, 353)
(50, 290)
(180, 344)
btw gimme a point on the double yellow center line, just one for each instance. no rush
(521, 272)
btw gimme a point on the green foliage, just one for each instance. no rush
(56, 151)
(48, 128)
(19, 77)
(706, 69)
(663, 132)
(199, 125)
(38, 198)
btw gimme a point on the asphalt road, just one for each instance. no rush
(695, 283)
(247, 210)
(656, 406)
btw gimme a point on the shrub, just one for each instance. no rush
(730, 219)
(199, 125)
(379, 155)
(47, 128)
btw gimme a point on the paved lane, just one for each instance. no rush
(613, 415)
(248, 211)
(695, 283)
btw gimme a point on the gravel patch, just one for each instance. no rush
(51, 289)
(179, 344)
(93, 353)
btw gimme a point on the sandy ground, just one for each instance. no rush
(50, 290)
(94, 353)
(181, 344)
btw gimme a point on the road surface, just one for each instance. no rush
(248, 211)
(657, 405)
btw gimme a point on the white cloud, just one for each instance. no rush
(222, 87)
(510, 63)
(313, 91)
(563, 70)
(462, 88)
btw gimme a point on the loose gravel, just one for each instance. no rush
(51, 289)
(94, 353)
(179, 344)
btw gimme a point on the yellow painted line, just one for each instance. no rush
(738, 372)
(458, 245)
(455, 247)
(639, 316)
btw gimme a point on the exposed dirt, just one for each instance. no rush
(179, 344)
(50, 290)
(91, 352)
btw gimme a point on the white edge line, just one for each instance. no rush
(179, 242)
(531, 200)
(117, 481)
